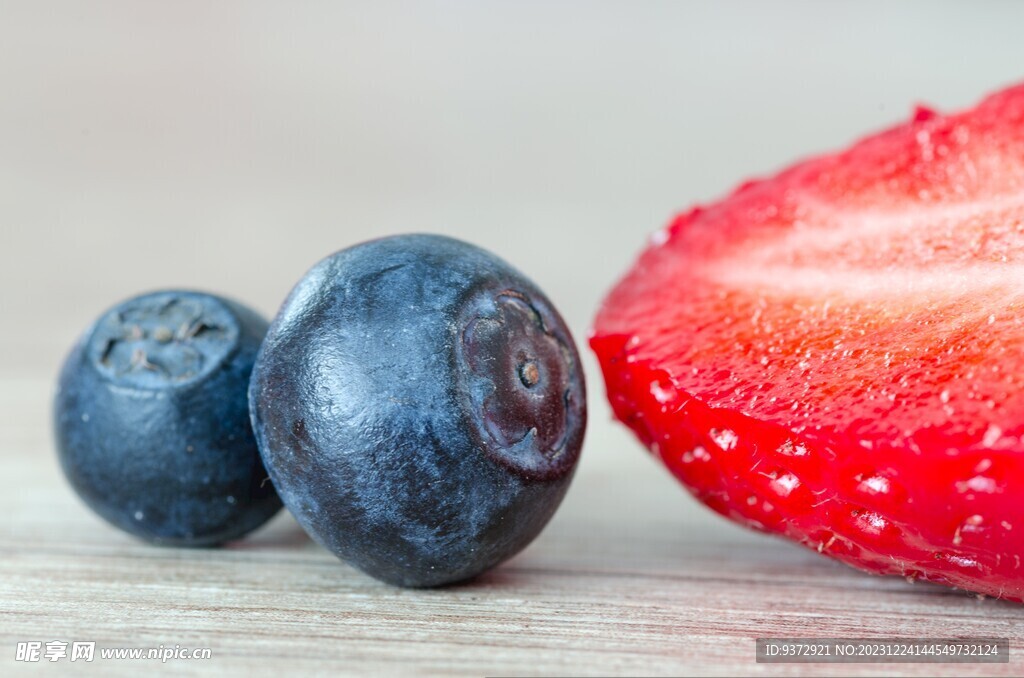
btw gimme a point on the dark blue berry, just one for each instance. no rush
(420, 406)
(152, 420)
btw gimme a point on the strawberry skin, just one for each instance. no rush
(836, 354)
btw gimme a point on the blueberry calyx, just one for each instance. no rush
(520, 378)
(529, 374)
(162, 340)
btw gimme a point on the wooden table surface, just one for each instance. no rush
(228, 146)
(631, 578)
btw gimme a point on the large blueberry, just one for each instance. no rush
(420, 407)
(152, 419)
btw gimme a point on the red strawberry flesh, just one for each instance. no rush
(836, 354)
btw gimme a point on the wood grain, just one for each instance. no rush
(631, 578)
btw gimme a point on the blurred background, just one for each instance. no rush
(230, 145)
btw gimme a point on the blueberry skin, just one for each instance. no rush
(420, 406)
(152, 423)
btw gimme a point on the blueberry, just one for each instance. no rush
(420, 406)
(152, 421)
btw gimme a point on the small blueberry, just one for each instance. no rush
(152, 424)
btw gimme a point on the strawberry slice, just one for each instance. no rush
(836, 354)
